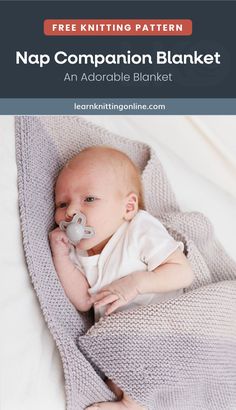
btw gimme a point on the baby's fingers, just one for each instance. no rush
(106, 300)
(118, 303)
(57, 235)
(99, 296)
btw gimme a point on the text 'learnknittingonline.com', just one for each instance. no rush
(120, 107)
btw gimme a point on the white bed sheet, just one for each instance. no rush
(31, 375)
(198, 154)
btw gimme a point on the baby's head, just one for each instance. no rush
(105, 185)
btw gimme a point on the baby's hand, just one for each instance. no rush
(117, 294)
(59, 243)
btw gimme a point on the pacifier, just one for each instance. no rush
(76, 229)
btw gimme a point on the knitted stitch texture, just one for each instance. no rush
(176, 355)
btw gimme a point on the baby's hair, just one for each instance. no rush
(117, 158)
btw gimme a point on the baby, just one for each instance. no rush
(131, 259)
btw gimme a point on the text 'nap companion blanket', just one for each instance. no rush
(176, 355)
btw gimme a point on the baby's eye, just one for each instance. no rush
(90, 199)
(62, 205)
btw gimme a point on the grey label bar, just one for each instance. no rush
(113, 0)
(101, 106)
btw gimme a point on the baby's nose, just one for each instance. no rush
(71, 212)
(68, 218)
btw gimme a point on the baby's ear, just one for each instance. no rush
(131, 206)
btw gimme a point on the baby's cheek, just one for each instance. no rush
(107, 227)
(98, 226)
(58, 217)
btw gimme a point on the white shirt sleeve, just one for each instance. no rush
(153, 241)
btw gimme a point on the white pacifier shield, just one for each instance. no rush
(76, 229)
(75, 232)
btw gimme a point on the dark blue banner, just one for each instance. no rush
(35, 65)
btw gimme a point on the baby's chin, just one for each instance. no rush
(91, 246)
(84, 245)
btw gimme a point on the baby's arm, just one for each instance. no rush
(73, 281)
(174, 273)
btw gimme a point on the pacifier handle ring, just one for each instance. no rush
(63, 225)
(76, 218)
(88, 232)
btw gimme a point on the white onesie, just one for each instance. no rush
(139, 245)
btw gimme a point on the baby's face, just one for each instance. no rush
(94, 190)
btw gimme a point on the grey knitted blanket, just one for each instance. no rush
(176, 355)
